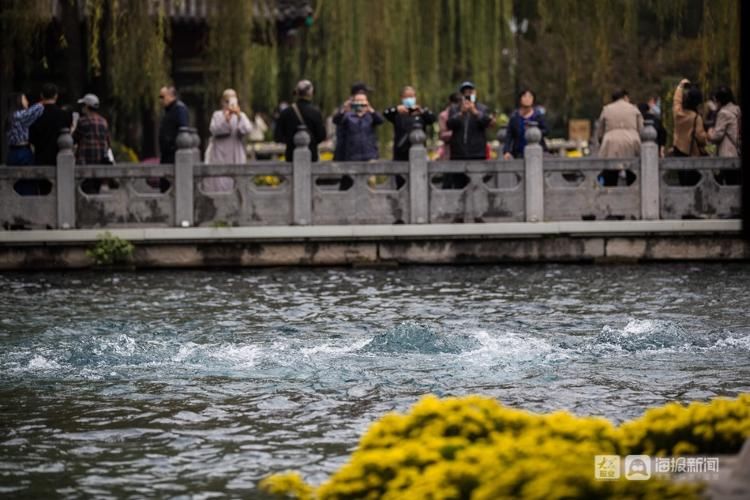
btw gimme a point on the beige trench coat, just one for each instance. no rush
(619, 129)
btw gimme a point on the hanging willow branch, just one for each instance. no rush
(21, 24)
(132, 34)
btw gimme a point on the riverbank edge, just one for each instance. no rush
(386, 245)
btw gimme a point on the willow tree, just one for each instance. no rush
(388, 44)
(131, 36)
(21, 24)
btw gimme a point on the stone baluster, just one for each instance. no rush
(649, 172)
(419, 184)
(196, 144)
(302, 177)
(502, 134)
(534, 174)
(66, 181)
(183, 177)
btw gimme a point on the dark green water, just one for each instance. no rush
(169, 384)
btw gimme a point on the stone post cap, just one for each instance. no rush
(301, 137)
(184, 138)
(533, 134)
(648, 132)
(195, 137)
(417, 136)
(502, 134)
(64, 139)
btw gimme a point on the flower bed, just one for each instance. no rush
(475, 448)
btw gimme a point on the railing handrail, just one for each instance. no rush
(419, 191)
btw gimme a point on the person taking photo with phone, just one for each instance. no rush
(469, 121)
(356, 122)
(404, 117)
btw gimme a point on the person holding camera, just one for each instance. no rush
(468, 122)
(404, 117)
(229, 127)
(356, 122)
(689, 135)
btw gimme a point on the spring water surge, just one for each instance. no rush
(196, 383)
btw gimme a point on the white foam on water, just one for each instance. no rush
(740, 343)
(662, 336)
(512, 348)
(334, 349)
(242, 355)
(40, 363)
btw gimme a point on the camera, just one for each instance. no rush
(467, 97)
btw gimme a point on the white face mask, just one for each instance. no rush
(473, 98)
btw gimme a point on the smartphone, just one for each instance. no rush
(233, 102)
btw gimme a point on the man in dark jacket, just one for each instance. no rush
(404, 116)
(358, 87)
(469, 122)
(356, 123)
(302, 112)
(175, 116)
(44, 132)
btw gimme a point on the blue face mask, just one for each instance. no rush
(409, 102)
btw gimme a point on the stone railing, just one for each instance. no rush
(534, 189)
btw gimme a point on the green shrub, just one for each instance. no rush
(110, 250)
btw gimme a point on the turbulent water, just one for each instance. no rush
(200, 383)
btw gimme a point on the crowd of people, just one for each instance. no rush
(33, 129)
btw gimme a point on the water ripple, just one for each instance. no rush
(200, 383)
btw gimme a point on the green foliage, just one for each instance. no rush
(133, 36)
(229, 51)
(123, 153)
(21, 25)
(574, 53)
(473, 447)
(110, 250)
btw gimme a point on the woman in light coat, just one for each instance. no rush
(229, 127)
(726, 133)
(620, 127)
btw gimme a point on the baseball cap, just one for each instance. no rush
(466, 85)
(89, 100)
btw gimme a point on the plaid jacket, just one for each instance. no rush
(92, 137)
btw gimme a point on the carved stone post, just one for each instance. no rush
(534, 174)
(419, 184)
(649, 172)
(302, 177)
(183, 178)
(66, 181)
